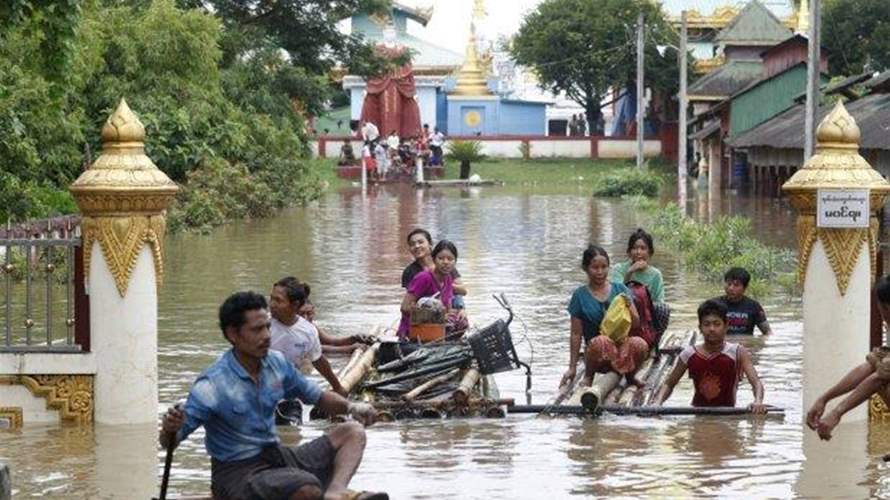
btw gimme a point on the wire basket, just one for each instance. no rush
(493, 348)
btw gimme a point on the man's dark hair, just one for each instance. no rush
(424, 232)
(738, 273)
(231, 312)
(295, 291)
(712, 308)
(590, 252)
(882, 289)
(640, 234)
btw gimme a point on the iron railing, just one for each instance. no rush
(44, 304)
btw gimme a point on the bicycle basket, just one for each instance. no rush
(493, 348)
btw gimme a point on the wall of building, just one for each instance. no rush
(767, 99)
(426, 101)
(460, 108)
(356, 99)
(522, 118)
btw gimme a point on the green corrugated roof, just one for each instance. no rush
(755, 25)
(727, 79)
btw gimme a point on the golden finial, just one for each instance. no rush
(838, 129)
(803, 17)
(123, 126)
(123, 197)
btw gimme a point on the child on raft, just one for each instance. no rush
(438, 282)
(715, 366)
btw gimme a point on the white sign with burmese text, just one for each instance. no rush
(842, 208)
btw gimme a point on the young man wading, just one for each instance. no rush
(235, 401)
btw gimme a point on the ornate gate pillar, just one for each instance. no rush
(836, 252)
(123, 197)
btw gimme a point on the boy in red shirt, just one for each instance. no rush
(715, 365)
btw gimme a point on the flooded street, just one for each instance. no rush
(527, 244)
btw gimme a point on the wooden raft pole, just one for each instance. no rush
(429, 384)
(467, 383)
(640, 410)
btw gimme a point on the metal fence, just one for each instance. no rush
(44, 307)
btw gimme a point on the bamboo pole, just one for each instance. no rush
(353, 377)
(629, 395)
(602, 384)
(353, 359)
(641, 410)
(429, 384)
(490, 388)
(469, 380)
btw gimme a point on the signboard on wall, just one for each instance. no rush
(842, 208)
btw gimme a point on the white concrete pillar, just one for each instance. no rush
(835, 326)
(836, 253)
(123, 197)
(127, 461)
(124, 339)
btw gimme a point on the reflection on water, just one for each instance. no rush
(526, 244)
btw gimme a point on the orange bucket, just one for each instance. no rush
(426, 332)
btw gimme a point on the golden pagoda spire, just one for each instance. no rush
(471, 77)
(479, 10)
(803, 17)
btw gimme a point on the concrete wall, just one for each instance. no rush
(540, 146)
(566, 148)
(627, 148)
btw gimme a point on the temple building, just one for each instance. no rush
(459, 95)
(706, 18)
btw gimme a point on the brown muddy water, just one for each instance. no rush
(527, 244)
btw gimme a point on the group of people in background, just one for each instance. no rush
(714, 365)
(392, 155)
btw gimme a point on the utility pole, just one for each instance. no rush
(683, 98)
(640, 89)
(813, 78)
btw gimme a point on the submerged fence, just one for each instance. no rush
(45, 308)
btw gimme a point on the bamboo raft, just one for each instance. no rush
(409, 380)
(611, 390)
(611, 393)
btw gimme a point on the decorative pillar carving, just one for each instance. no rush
(123, 197)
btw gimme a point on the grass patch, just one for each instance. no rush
(555, 171)
(629, 182)
(711, 249)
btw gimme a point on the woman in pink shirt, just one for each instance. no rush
(437, 282)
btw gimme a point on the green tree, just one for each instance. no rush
(856, 34)
(587, 47)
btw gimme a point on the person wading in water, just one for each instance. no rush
(235, 401)
(715, 365)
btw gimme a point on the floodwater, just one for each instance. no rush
(523, 242)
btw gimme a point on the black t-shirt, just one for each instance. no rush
(413, 268)
(743, 315)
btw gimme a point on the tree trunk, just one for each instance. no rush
(464, 169)
(593, 112)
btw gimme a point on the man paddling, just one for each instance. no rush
(235, 400)
(870, 377)
(715, 365)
